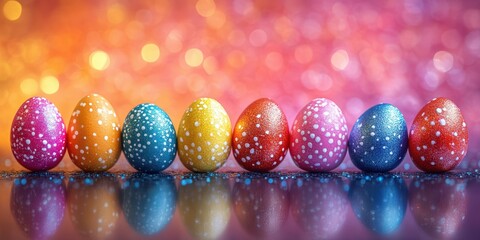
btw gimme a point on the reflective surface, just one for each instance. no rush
(356, 53)
(239, 206)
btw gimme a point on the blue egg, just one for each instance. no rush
(149, 139)
(379, 202)
(379, 139)
(149, 202)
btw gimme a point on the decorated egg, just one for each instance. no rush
(38, 135)
(379, 202)
(148, 138)
(93, 134)
(93, 203)
(438, 137)
(204, 136)
(204, 205)
(260, 137)
(379, 139)
(38, 204)
(318, 140)
(319, 206)
(149, 202)
(261, 204)
(439, 205)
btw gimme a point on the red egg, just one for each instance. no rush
(261, 205)
(438, 138)
(438, 205)
(260, 138)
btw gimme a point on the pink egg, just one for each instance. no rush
(318, 139)
(38, 203)
(319, 206)
(38, 135)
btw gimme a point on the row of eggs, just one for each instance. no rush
(318, 140)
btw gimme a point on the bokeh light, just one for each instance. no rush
(150, 52)
(29, 86)
(169, 53)
(99, 60)
(443, 61)
(49, 84)
(340, 59)
(194, 57)
(12, 10)
(206, 8)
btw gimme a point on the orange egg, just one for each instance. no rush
(93, 205)
(93, 134)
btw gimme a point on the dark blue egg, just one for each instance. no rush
(149, 139)
(149, 202)
(379, 139)
(379, 202)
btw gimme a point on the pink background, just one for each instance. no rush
(356, 53)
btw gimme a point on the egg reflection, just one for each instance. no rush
(438, 205)
(149, 202)
(93, 204)
(204, 205)
(379, 201)
(38, 204)
(260, 204)
(319, 206)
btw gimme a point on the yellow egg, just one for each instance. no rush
(93, 134)
(93, 205)
(204, 136)
(204, 206)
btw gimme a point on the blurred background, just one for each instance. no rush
(172, 52)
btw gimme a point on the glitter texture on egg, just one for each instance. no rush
(204, 136)
(438, 136)
(260, 138)
(38, 135)
(379, 139)
(148, 138)
(319, 136)
(93, 134)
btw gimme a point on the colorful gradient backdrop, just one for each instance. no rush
(172, 52)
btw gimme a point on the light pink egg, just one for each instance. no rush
(319, 136)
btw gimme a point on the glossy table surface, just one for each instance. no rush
(356, 53)
(342, 205)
